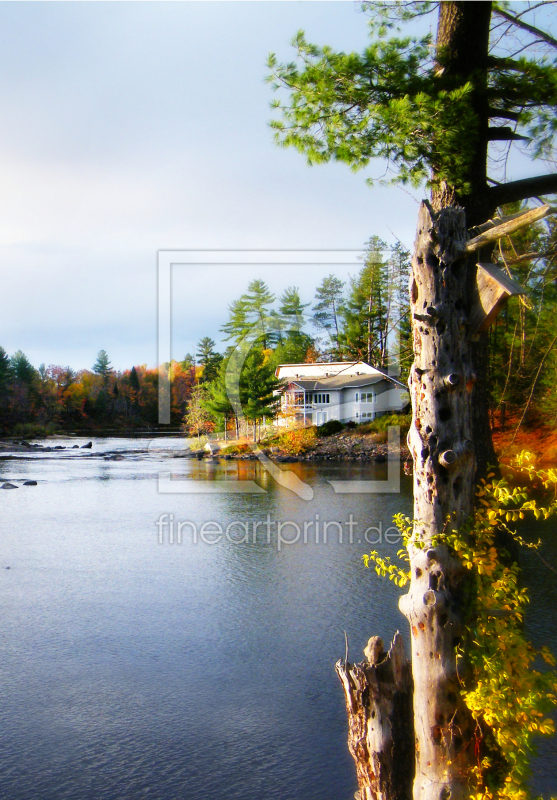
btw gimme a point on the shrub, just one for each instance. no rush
(330, 427)
(381, 424)
(34, 430)
(235, 449)
(297, 441)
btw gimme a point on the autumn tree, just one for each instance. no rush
(433, 110)
(197, 419)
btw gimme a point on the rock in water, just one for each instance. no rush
(9, 486)
(29, 483)
(87, 446)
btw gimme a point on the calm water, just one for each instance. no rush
(135, 669)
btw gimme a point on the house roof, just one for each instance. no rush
(342, 382)
(321, 369)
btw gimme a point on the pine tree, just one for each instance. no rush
(238, 324)
(294, 342)
(208, 359)
(134, 380)
(102, 365)
(216, 399)
(365, 313)
(326, 311)
(257, 388)
(6, 370)
(22, 368)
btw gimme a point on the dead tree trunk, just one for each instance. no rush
(378, 697)
(440, 441)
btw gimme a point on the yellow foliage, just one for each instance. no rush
(502, 690)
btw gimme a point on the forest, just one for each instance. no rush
(366, 317)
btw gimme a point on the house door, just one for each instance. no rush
(321, 417)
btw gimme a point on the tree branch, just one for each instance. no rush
(505, 135)
(526, 26)
(502, 113)
(522, 190)
(503, 227)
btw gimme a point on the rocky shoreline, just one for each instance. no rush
(343, 446)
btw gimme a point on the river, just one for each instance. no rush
(139, 663)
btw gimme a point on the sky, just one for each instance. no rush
(131, 128)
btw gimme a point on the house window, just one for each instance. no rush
(368, 414)
(357, 398)
(321, 399)
(368, 397)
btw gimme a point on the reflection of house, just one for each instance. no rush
(316, 393)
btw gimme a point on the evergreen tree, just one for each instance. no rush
(326, 311)
(399, 263)
(6, 370)
(238, 324)
(22, 368)
(216, 399)
(208, 359)
(523, 341)
(294, 342)
(102, 365)
(257, 388)
(366, 311)
(253, 308)
(134, 380)
(188, 362)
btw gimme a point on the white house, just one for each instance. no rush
(343, 390)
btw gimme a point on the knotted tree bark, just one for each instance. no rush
(378, 695)
(440, 440)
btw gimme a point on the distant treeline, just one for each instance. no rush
(365, 318)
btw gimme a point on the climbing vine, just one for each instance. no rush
(507, 693)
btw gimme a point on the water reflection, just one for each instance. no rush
(193, 670)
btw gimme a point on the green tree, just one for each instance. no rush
(188, 362)
(366, 311)
(208, 359)
(6, 370)
(252, 309)
(258, 385)
(22, 368)
(102, 365)
(326, 311)
(400, 310)
(238, 324)
(523, 340)
(294, 342)
(134, 380)
(216, 399)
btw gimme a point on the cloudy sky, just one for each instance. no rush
(129, 128)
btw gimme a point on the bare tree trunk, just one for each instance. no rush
(440, 441)
(378, 697)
